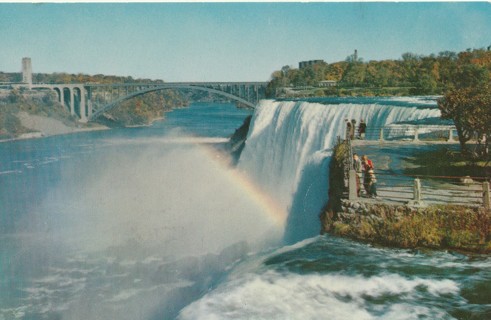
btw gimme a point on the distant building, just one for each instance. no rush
(328, 83)
(305, 64)
(27, 71)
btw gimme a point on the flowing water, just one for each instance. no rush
(151, 223)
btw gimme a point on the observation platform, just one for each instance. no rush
(392, 158)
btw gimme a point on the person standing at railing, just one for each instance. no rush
(348, 129)
(372, 184)
(358, 169)
(353, 128)
(362, 128)
(366, 165)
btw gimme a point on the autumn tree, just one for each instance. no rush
(470, 109)
(355, 74)
(468, 102)
(447, 65)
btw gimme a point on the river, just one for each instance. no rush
(152, 223)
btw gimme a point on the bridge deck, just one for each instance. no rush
(90, 100)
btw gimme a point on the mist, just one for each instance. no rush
(139, 230)
(176, 197)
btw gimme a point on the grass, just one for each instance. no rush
(447, 161)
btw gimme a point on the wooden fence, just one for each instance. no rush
(423, 190)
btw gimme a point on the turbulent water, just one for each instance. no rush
(329, 278)
(150, 223)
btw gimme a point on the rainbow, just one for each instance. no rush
(274, 210)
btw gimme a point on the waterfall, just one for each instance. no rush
(289, 145)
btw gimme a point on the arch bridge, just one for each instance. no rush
(88, 101)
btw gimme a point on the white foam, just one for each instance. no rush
(402, 311)
(124, 295)
(297, 245)
(274, 295)
(13, 313)
(10, 172)
(422, 100)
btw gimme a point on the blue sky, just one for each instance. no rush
(228, 41)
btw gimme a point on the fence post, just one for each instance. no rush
(417, 190)
(486, 197)
(416, 134)
(352, 185)
(381, 134)
(450, 135)
(417, 201)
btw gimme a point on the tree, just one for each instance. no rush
(285, 70)
(425, 77)
(468, 102)
(447, 66)
(355, 75)
(470, 109)
(471, 75)
(425, 85)
(14, 96)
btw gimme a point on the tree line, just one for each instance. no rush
(412, 74)
(63, 77)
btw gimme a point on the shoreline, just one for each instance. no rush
(42, 126)
(41, 135)
(144, 125)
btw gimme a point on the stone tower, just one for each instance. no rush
(27, 71)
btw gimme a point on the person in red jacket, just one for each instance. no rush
(366, 165)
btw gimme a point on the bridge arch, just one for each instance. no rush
(113, 104)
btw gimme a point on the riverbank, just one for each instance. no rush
(37, 126)
(465, 228)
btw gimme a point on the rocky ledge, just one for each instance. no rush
(438, 226)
